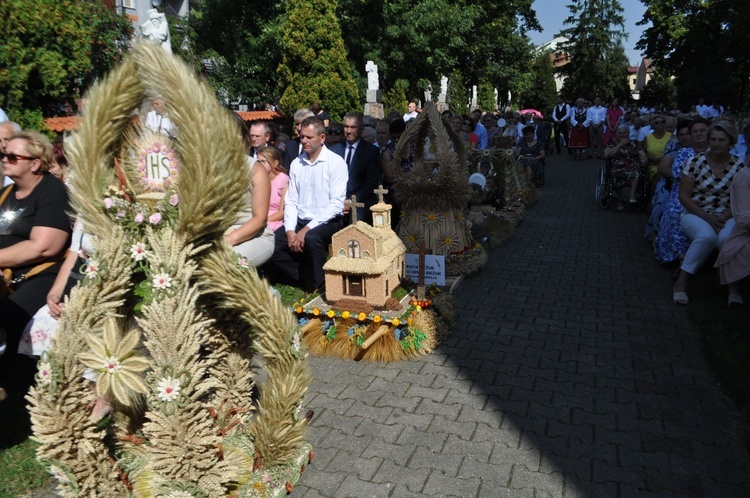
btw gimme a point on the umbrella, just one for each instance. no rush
(536, 113)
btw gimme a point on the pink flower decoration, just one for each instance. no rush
(174, 200)
(155, 218)
(108, 202)
(120, 214)
(138, 218)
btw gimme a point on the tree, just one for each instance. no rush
(51, 51)
(486, 100)
(703, 45)
(542, 91)
(598, 65)
(394, 99)
(240, 42)
(314, 65)
(659, 89)
(458, 93)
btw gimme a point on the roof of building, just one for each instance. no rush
(66, 123)
(259, 115)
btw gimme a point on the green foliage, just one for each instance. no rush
(20, 472)
(458, 93)
(703, 45)
(241, 43)
(541, 91)
(314, 66)
(31, 119)
(51, 50)
(659, 89)
(598, 66)
(486, 95)
(394, 99)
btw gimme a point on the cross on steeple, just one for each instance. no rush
(353, 204)
(381, 192)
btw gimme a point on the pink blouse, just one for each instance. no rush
(277, 185)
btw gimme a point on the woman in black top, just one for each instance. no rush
(34, 229)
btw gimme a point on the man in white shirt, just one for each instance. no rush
(561, 118)
(412, 114)
(313, 208)
(595, 117)
(157, 121)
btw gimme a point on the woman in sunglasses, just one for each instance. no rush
(34, 233)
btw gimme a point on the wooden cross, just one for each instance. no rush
(381, 192)
(353, 205)
(421, 251)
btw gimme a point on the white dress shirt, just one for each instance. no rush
(316, 189)
(595, 115)
(565, 108)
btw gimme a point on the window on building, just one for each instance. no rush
(353, 249)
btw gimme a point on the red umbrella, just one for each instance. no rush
(536, 113)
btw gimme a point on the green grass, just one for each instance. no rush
(725, 335)
(289, 294)
(19, 470)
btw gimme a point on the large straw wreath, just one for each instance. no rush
(184, 422)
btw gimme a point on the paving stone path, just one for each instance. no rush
(570, 373)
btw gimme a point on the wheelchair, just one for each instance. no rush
(611, 190)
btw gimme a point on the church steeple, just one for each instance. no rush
(381, 212)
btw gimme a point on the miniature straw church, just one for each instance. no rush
(367, 262)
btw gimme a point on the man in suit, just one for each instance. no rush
(294, 147)
(260, 134)
(561, 118)
(363, 161)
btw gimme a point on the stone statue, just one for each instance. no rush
(373, 82)
(156, 29)
(428, 93)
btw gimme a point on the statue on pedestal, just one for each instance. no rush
(156, 29)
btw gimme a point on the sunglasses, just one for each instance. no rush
(13, 158)
(659, 122)
(334, 132)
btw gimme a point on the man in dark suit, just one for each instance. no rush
(294, 147)
(363, 161)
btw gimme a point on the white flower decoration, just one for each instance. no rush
(44, 370)
(168, 389)
(112, 365)
(180, 494)
(59, 474)
(162, 281)
(91, 269)
(244, 263)
(139, 251)
(117, 358)
(297, 341)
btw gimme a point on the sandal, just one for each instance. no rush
(735, 301)
(680, 298)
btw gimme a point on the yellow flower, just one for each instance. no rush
(331, 314)
(409, 320)
(362, 316)
(345, 314)
(419, 308)
(396, 321)
(316, 311)
(299, 309)
(376, 319)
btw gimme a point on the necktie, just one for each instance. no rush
(349, 155)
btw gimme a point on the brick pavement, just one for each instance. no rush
(570, 373)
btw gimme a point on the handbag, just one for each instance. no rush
(7, 282)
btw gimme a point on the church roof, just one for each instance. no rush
(392, 247)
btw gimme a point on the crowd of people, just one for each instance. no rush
(305, 185)
(696, 166)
